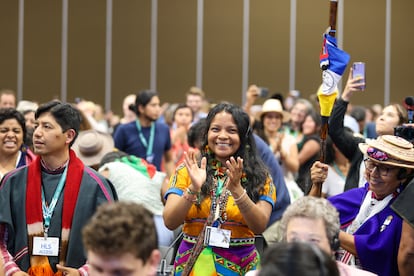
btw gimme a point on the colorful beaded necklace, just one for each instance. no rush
(218, 193)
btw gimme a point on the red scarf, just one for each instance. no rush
(39, 265)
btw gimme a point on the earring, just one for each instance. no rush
(207, 150)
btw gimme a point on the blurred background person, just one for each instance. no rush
(195, 99)
(89, 111)
(136, 180)
(28, 109)
(309, 148)
(146, 137)
(291, 98)
(298, 113)
(296, 258)
(281, 143)
(337, 171)
(128, 113)
(182, 118)
(358, 113)
(7, 98)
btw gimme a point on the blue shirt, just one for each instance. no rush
(282, 194)
(126, 138)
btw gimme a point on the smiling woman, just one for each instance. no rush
(224, 199)
(13, 152)
(369, 225)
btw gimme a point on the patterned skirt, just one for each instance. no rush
(241, 257)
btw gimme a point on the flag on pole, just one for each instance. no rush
(333, 62)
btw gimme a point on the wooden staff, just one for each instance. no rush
(332, 32)
(332, 17)
(325, 101)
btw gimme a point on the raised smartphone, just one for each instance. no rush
(358, 70)
(263, 92)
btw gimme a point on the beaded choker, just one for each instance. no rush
(220, 171)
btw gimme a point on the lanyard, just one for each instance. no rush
(220, 185)
(48, 210)
(148, 145)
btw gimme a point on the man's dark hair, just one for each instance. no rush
(143, 98)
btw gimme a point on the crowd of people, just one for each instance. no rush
(88, 193)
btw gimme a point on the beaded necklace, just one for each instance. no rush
(218, 193)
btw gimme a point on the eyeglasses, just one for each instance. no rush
(381, 169)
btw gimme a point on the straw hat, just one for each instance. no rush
(389, 149)
(24, 106)
(91, 146)
(274, 105)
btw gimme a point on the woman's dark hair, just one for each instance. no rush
(316, 118)
(195, 135)
(143, 98)
(296, 258)
(329, 151)
(255, 170)
(11, 113)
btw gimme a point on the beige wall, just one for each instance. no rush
(363, 38)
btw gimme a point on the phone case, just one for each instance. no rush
(358, 70)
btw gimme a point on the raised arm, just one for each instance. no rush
(176, 206)
(344, 140)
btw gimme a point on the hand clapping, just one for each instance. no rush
(197, 174)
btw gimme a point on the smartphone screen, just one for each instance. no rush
(263, 92)
(358, 70)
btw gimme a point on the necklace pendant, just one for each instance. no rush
(217, 212)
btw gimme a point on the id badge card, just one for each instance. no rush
(217, 237)
(45, 246)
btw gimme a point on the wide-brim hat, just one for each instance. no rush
(91, 145)
(389, 149)
(24, 106)
(274, 105)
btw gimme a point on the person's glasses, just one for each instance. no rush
(381, 169)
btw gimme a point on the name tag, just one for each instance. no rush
(217, 237)
(45, 246)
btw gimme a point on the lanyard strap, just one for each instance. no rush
(148, 145)
(48, 210)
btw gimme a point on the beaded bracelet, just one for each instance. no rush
(190, 198)
(240, 197)
(191, 192)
